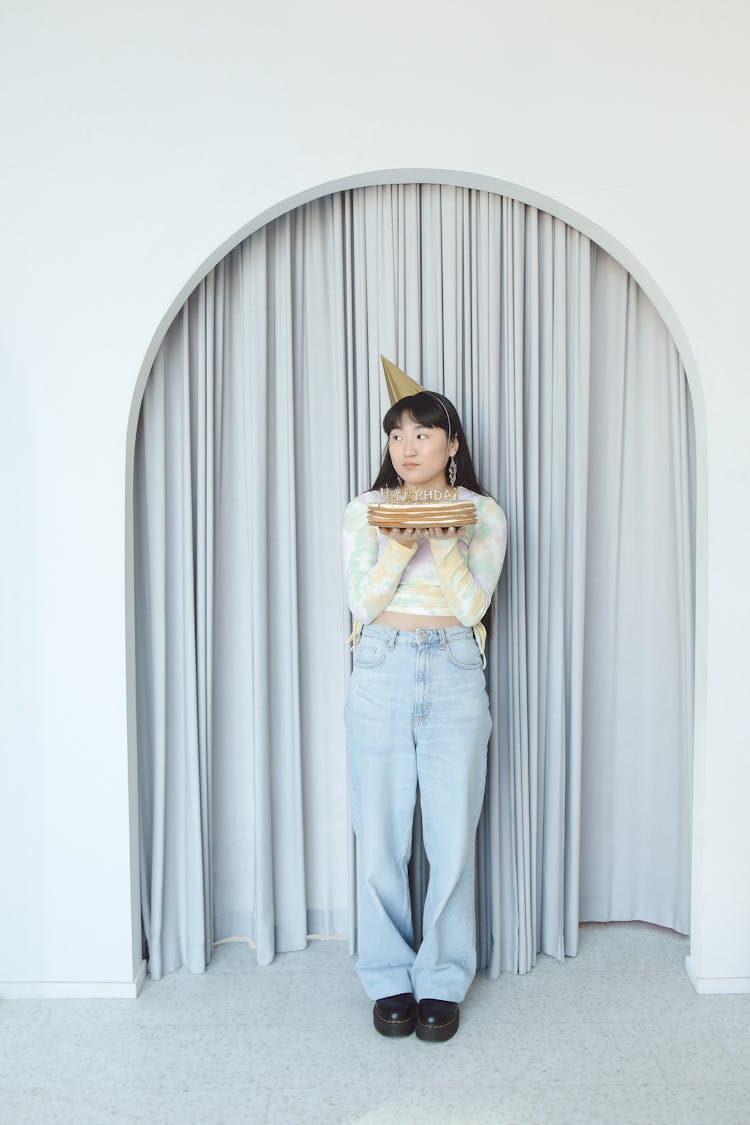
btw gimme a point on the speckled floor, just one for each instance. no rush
(617, 1035)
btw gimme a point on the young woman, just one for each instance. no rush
(417, 715)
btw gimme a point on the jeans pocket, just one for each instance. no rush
(464, 653)
(369, 653)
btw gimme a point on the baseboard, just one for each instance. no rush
(706, 986)
(74, 990)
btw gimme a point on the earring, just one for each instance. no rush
(400, 482)
(452, 472)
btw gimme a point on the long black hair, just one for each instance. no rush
(428, 408)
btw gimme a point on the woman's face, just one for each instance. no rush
(420, 453)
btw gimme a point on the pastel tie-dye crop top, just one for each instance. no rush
(436, 578)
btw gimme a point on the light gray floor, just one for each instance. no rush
(616, 1035)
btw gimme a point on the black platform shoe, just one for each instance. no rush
(395, 1015)
(437, 1020)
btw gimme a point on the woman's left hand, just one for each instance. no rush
(442, 532)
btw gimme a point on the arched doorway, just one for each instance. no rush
(363, 469)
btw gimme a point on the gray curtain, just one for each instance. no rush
(261, 419)
(637, 725)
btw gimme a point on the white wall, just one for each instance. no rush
(136, 142)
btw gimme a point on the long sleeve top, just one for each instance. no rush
(437, 578)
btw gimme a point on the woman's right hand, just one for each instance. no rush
(407, 536)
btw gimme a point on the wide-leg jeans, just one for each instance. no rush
(417, 714)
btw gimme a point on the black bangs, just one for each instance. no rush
(427, 409)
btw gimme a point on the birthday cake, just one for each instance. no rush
(417, 507)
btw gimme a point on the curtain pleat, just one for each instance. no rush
(174, 785)
(261, 419)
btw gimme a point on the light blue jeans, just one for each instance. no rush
(417, 714)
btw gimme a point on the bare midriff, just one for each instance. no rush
(414, 621)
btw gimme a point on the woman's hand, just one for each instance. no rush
(443, 532)
(410, 535)
(407, 536)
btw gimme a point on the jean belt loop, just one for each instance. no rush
(392, 639)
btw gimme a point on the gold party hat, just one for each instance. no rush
(398, 382)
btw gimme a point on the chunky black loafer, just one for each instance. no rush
(395, 1015)
(437, 1020)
